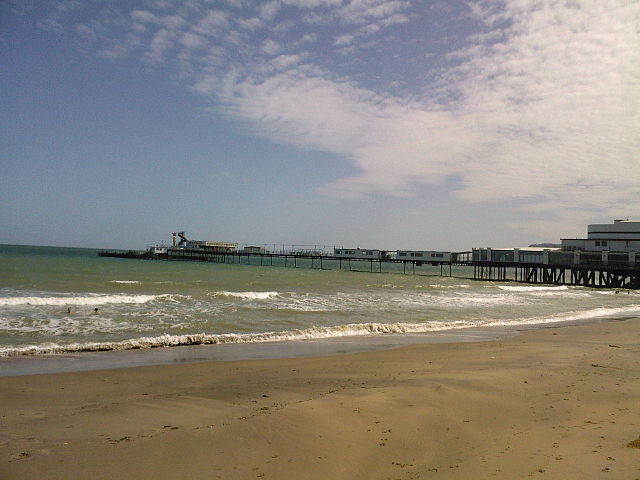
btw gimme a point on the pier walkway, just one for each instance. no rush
(596, 276)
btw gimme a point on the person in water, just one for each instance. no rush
(95, 310)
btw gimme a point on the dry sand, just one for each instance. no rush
(559, 403)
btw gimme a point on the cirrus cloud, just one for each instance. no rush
(537, 104)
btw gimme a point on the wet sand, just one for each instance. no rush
(553, 403)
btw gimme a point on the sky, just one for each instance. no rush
(396, 124)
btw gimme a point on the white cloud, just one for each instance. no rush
(359, 11)
(173, 22)
(394, 19)
(283, 62)
(305, 110)
(250, 23)
(161, 42)
(121, 48)
(312, 3)
(541, 107)
(269, 10)
(270, 47)
(343, 40)
(192, 40)
(86, 31)
(370, 29)
(549, 115)
(143, 16)
(212, 23)
(309, 38)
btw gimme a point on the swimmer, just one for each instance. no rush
(95, 310)
(69, 311)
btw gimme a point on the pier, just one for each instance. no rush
(591, 274)
(602, 276)
(317, 260)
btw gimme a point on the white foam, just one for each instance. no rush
(124, 281)
(90, 299)
(437, 285)
(561, 293)
(248, 295)
(311, 333)
(601, 312)
(387, 301)
(511, 288)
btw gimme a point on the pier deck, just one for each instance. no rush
(595, 276)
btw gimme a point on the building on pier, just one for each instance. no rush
(359, 254)
(222, 247)
(157, 249)
(616, 244)
(424, 255)
(254, 249)
(619, 236)
(516, 255)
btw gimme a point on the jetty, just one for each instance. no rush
(556, 271)
(608, 258)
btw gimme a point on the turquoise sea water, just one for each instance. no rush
(144, 303)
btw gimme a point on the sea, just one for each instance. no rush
(70, 300)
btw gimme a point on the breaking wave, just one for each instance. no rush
(91, 299)
(247, 295)
(513, 288)
(311, 333)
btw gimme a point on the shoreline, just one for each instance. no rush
(549, 403)
(36, 364)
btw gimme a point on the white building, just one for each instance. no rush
(424, 255)
(619, 236)
(158, 249)
(223, 247)
(359, 253)
(254, 249)
(515, 255)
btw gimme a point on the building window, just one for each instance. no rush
(597, 243)
(603, 243)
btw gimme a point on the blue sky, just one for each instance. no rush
(373, 123)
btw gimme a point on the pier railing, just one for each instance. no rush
(588, 273)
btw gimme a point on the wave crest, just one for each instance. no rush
(247, 295)
(95, 299)
(512, 288)
(312, 333)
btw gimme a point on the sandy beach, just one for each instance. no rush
(555, 403)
